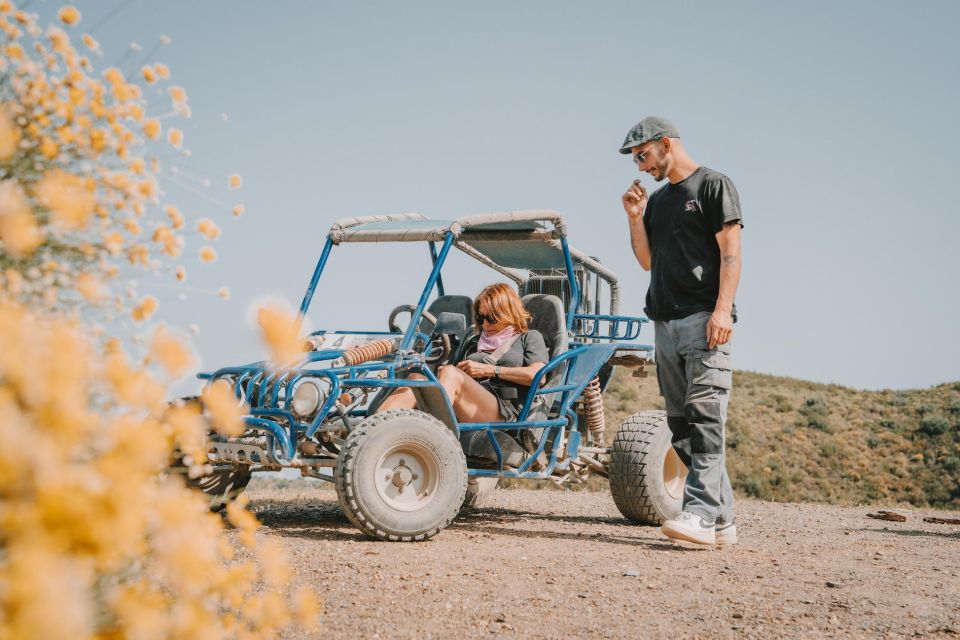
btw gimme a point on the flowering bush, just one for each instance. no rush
(79, 172)
(96, 540)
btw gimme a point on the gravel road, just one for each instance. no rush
(563, 564)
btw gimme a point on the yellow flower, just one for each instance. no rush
(175, 137)
(18, 230)
(49, 148)
(145, 309)
(9, 135)
(225, 409)
(176, 218)
(90, 43)
(280, 332)
(224, 293)
(207, 254)
(276, 565)
(152, 129)
(14, 281)
(113, 243)
(181, 273)
(178, 95)
(139, 254)
(238, 210)
(306, 608)
(162, 70)
(90, 287)
(69, 16)
(171, 352)
(68, 198)
(242, 519)
(208, 228)
(149, 75)
(132, 227)
(234, 181)
(113, 76)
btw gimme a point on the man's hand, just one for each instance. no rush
(719, 328)
(635, 201)
(475, 370)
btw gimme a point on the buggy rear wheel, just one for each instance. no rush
(647, 477)
(401, 475)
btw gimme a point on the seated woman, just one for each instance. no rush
(491, 384)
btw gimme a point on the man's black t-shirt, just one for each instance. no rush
(682, 221)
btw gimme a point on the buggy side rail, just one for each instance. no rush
(590, 326)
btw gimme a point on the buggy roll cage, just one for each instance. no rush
(509, 243)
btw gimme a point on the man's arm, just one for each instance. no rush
(635, 204)
(720, 325)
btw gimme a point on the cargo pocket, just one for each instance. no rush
(712, 368)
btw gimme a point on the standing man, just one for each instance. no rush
(688, 234)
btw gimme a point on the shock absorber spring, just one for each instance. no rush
(365, 353)
(593, 407)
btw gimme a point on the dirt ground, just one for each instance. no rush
(551, 564)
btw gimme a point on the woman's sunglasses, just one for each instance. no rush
(481, 318)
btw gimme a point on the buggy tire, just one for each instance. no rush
(646, 475)
(401, 476)
(479, 490)
(222, 487)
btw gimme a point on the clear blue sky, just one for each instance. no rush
(836, 121)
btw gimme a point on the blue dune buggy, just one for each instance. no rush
(405, 474)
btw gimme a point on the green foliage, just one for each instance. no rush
(815, 413)
(898, 400)
(934, 425)
(780, 403)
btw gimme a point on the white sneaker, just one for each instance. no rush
(690, 528)
(726, 533)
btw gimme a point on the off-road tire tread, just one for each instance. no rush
(343, 475)
(223, 487)
(629, 456)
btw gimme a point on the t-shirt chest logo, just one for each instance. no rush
(692, 206)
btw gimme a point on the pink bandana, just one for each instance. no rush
(492, 341)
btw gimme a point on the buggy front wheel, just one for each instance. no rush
(401, 475)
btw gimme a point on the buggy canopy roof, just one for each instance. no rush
(504, 241)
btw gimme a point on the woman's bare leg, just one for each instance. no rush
(471, 402)
(402, 398)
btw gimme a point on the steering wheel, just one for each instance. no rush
(439, 348)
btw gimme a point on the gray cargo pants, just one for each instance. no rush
(695, 384)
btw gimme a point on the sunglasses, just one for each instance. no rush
(481, 318)
(640, 158)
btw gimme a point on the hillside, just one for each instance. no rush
(791, 440)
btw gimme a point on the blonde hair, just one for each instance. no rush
(503, 305)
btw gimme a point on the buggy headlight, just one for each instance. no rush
(229, 383)
(307, 398)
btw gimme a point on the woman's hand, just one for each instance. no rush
(476, 370)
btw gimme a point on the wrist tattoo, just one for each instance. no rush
(729, 261)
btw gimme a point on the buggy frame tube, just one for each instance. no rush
(312, 287)
(433, 258)
(427, 290)
(571, 278)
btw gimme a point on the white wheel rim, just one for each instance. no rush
(407, 476)
(674, 474)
